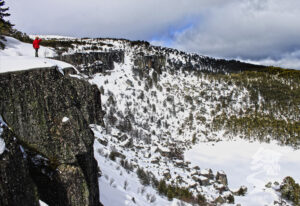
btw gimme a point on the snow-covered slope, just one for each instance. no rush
(163, 107)
(120, 186)
(153, 118)
(15, 47)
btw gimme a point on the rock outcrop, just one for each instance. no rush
(221, 177)
(94, 62)
(49, 114)
(157, 62)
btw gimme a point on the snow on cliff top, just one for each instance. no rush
(19, 63)
(18, 56)
(14, 47)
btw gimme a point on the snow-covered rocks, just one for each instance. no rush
(207, 173)
(204, 181)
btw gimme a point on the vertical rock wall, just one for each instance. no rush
(60, 160)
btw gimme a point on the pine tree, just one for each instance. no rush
(5, 25)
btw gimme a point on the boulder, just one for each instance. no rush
(207, 173)
(204, 181)
(220, 200)
(221, 178)
(241, 191)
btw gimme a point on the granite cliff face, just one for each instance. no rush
(49, 153)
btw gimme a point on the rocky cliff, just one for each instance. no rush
(49, 145)
(93, 62)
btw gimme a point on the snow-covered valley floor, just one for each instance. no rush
(252, 164)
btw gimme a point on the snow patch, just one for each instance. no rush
(42, 203)
(65, 119)
(2, 143)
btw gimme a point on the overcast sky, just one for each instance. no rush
(259, 31)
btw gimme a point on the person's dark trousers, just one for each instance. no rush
(36, 52)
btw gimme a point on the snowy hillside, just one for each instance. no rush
(183, 129)
(161, 104)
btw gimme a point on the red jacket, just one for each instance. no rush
(36, 43)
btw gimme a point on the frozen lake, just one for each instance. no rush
(252, 164)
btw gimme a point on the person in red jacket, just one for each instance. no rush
(36, 45)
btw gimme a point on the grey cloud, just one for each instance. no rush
(247, 29)
(134, 19)
(289, 60)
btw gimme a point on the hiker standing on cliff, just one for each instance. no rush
(36, 45)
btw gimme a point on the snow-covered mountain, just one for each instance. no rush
(164, 108)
